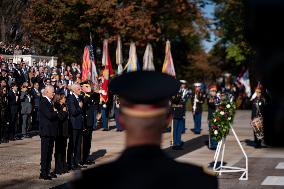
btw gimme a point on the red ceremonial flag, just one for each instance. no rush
(86, 66)
(107, 72)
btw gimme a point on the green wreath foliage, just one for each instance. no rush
(222, 119)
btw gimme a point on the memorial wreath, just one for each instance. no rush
(222, 119)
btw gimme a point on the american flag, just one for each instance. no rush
(94, 73)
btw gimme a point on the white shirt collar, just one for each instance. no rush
(49, 100)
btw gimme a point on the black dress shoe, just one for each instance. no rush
(65, 171)
(106, 129)
(77, 167)
(52, 175)
(177, 148)
(28, 136)
(212, 148)
(181, 144)
(45, 177)
(89, 162)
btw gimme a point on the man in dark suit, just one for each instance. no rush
(144, 113)
(35, 94)
(75, 108)
(63, 88)
(13, 101)
(48, 123)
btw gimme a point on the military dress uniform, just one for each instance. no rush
(145, 165)
(258, 105)
(185, 95)
(197, 100)
(178, 113)
(89, 108)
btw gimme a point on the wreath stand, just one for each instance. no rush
(227, 169)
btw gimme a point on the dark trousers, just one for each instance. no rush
(116, 116)
(212, 143)
(87, 140)
(47, 144)
(197, 121)
(95, 118)
(257, 142)
(13, 123)
(60, 154)
(104, 118)
(177, 130)
(183, 125)
(35, 119)
(4, 135)
(74, 148)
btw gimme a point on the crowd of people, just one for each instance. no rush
(21, 89)
(15, 49)
(54, 102)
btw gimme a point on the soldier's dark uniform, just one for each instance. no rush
(257, 111)
(178, 113)
(91, 101)
(145, 165)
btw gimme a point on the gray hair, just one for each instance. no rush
(73, 87)
(47, 88)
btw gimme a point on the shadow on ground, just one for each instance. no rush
(98, 154)
(189, 146)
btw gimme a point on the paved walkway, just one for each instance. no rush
(19, 160)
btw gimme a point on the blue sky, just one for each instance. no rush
(209, 10)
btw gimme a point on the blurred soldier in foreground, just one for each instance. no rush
(144, 113)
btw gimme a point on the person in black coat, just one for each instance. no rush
(75, 109)
(4, 115)
(144, 115)
(258, 104)
(48, 128)
(88, 108)
(62, 136)
(35, 94)
(13, 102)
